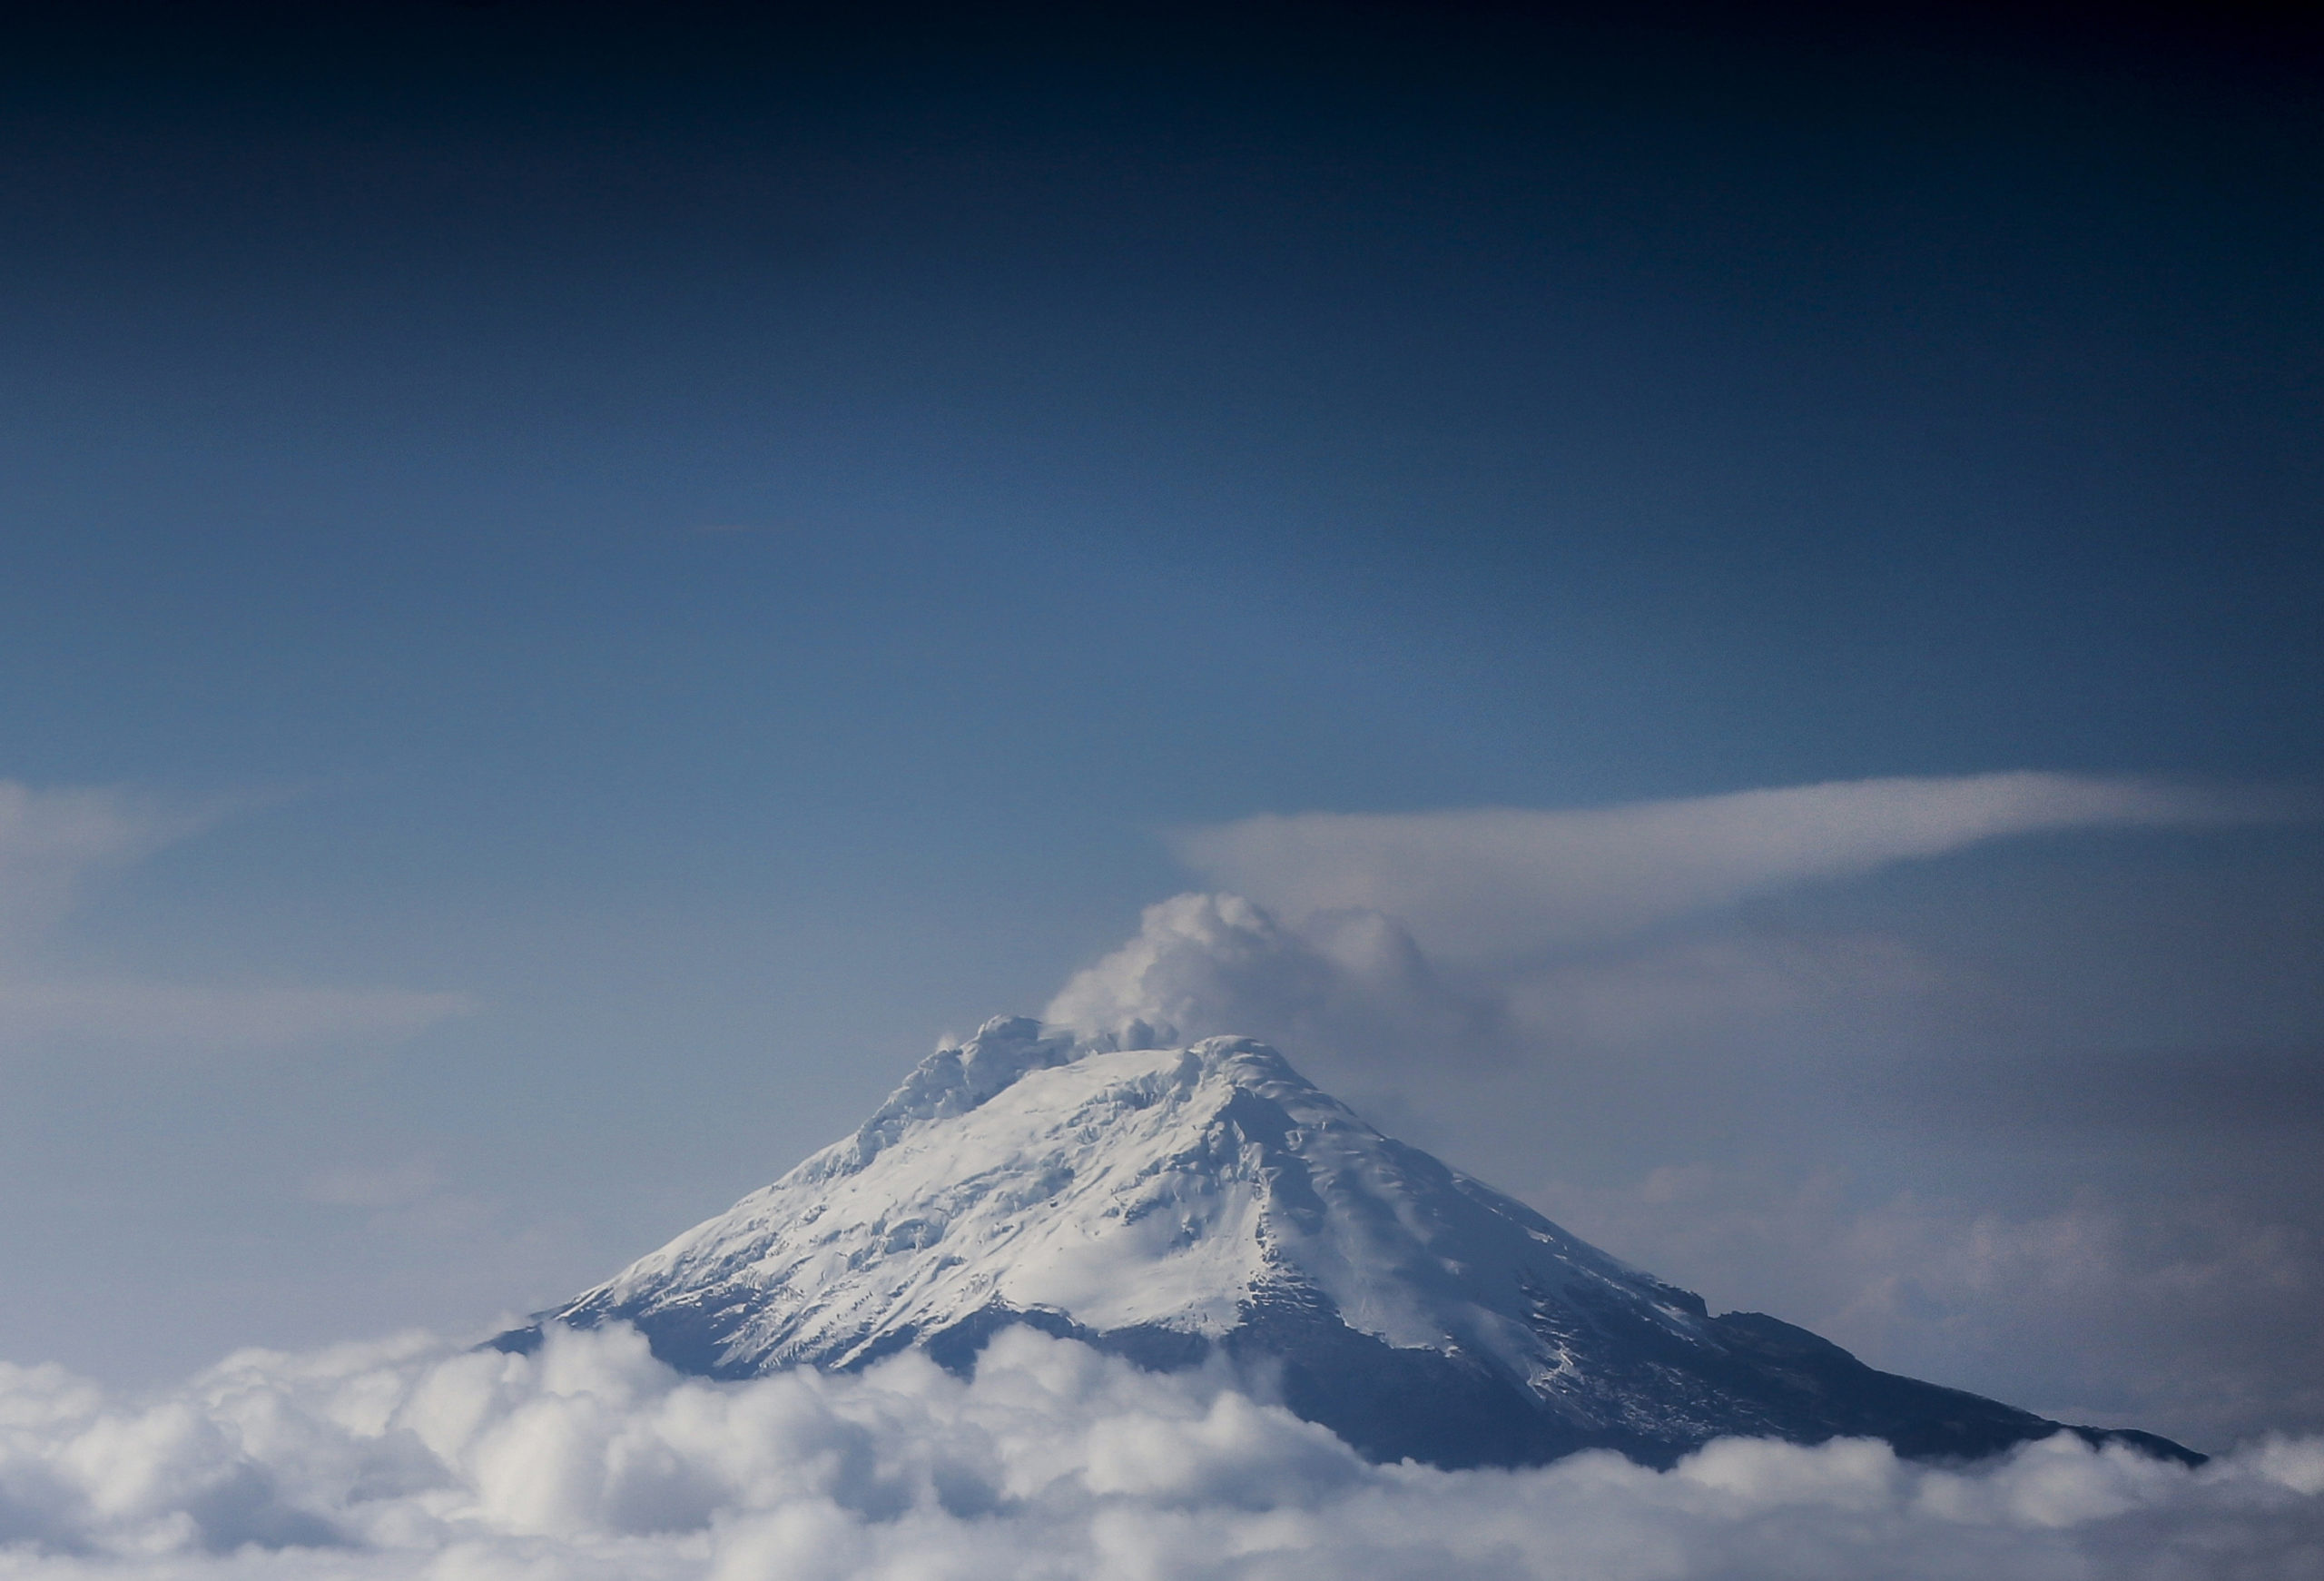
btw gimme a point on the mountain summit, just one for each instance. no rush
(1165, 1204)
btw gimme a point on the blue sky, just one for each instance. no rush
(667, 565)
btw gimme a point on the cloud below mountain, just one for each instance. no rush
(590, 1460)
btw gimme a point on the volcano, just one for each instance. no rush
(1176, 1205)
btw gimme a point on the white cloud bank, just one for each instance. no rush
(52, 843)
(411, 1459)
(1501, 883)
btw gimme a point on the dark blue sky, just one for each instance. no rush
(726, 540)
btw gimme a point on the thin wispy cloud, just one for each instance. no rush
(53, 842)
(1500, 925)
(128, 1012)
(1496, 882)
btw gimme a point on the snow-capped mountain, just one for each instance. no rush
(1167, 1203)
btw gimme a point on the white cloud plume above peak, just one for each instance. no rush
(1501, 930)
(1502, 882)
(1205, 965)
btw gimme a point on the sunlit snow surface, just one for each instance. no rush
(1046, 1200)
(1105, 1186)
(590, 1461)
(1167, 1202)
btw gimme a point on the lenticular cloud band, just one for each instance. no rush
(590, 1460)
(1490, 882)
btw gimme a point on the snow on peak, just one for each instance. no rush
(956, 1078)
(1118, 1189)
(1172, 1202)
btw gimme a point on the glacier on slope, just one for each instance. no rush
(1173, 1204)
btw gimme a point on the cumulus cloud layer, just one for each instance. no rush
(52, 843)
(590, 1460)
(1501, 882)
